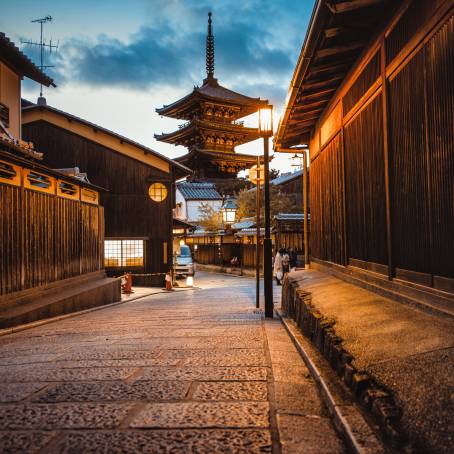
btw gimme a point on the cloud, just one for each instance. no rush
(257, 43)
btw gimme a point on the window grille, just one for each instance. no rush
(4, 115)
(123, 253)
(157, 192)
(7, 171)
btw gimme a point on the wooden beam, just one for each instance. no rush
(305, 106)
(316, 93)
(301, 115)
(293, 123)
(309, 85)
(335, 70)
(304, 118)
(345, 7)
(340, 49)
(308, 110)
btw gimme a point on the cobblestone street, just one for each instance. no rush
(192, 371)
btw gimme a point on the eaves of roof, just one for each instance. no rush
(12, 56)
(183, 170)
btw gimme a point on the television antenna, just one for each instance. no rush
(42, 46)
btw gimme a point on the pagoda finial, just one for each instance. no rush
(210, 50)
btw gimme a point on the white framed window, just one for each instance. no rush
(123, 253)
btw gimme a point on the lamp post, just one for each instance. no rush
(266, 131)
(229, 211)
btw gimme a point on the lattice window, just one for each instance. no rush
(123, 253)
(157, 192)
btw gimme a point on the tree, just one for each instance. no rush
(280, 202)
(209, 219)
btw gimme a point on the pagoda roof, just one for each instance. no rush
(218, 156)
(211, 91)
(188, 130)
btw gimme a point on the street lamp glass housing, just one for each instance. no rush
(266, 121)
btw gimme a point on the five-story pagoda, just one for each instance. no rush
(212, 129)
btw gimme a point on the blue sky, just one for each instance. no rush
(118, 61)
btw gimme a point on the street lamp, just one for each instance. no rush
(229, 211)
(266, 131)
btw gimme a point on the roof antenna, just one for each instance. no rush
(210, 50)
(42, 46)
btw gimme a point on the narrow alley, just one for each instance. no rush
(196, 370)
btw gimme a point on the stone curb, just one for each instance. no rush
(359, 436)
(26, 326)
(379, 402)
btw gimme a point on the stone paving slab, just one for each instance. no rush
(165, 441)
(24, 442)
(115, 391)
(118, 363)
(189, 373)
(246, 391)
(204, 415)
(77, 374)
(62, 416)
(317, 438)
(204, 373)
(111, 353)
(14, 392)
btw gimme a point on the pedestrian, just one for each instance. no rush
(285, 262)
(278, 272)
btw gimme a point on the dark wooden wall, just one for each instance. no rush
(45, 238)
(394, 143)
(129, 212)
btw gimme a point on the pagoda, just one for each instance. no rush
(212, 129)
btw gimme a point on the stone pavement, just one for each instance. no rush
(193, 371)
(404, 351)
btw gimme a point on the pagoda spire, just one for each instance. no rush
(210, 50)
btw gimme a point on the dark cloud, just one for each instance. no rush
(256, 46)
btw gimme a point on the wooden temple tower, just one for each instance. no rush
(212, 129)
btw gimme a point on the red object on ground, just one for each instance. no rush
(126, 287)
(168, 282)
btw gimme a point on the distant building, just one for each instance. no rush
(139, 181)
(51, 222)
(191, 196)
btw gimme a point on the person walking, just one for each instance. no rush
(277, 268)
(285, 262)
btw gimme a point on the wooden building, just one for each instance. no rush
(140, 186)
(51, 224)
(212, 130)
(373, 96)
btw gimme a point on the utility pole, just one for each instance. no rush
(257, 248)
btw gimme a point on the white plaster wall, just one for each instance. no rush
(182, 213)
(193, 208)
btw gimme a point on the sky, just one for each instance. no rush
(118, 61)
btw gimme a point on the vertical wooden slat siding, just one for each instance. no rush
(129, 211)
(409, 171)
(412, 19)
(326, 203)
(440, 105)
(365, 188)
(416, 101)
(40, 238)
(367, 77)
